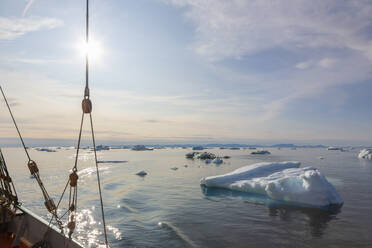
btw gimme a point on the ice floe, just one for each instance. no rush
(141, 173)
(366, 153)
(262, 152)
(332, 148)
(281, 181)
(217, 161)
(206, 155)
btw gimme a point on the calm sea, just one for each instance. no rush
(168, 208)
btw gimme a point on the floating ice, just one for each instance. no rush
(366, 153)
(191, 155)
(217, 161)
(282, 181)
(111, 161)
(332, 148)
(141, 173)
(206, 155)
(141, 148)
(262, 152)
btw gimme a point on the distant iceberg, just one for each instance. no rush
(141, 148)
(366, 153)
(44, 149)
(217, 160)
(142, 173)
(281, 181)
(332, 148)
(262, 152)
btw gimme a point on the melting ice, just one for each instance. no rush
(282, 181)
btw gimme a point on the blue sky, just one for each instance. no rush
(191, 70)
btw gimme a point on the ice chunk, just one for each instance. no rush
(141, 148)
(282, 181)
(191, 155)
(217, 160)
(332, 148)
(206, 155)
(141, 173)
(262, 152)
(366, 153)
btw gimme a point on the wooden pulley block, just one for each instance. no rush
(87, 106)
(73, 179)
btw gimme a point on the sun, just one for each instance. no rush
(93, 49)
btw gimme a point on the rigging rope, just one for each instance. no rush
(34, 170)
(87, 109)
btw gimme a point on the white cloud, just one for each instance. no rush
(304, 65)
(327, 62)
(324, 63)
(226, 29)
(12, 28)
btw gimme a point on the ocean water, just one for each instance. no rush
(168, 208)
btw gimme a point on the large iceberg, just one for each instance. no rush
(366, 153)
(281, 181)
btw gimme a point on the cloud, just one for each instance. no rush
(12, 101)
(12, 28)
(232, 29)
(304, 65)
(40, 61)
(324, 63)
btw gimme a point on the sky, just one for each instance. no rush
(190, 71)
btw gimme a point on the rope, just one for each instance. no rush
(86, 93)
(98, 180)
(49, 204)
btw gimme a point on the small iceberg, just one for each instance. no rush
(141, 173)
(332, 148)
(45, 150)
(208, 161)
(141, 148)
(262, 152)
(174, 168)
(102, 148)
(281, 181)
(191, 155)
(111, 161)
(206, 155)
(365, 153)
(217, 161)
(198, 148)
(226, 157)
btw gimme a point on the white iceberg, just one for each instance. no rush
(281, 181)
(366, 153)
(332, 148)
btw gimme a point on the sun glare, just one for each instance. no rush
(93, 49)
